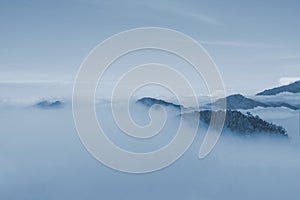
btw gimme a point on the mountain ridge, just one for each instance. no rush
(292, 88)
(240, 102)
(235, 120)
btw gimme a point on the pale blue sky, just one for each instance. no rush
(254, 43)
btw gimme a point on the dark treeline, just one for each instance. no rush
(244, 123)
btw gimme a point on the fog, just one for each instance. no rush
(42, 157)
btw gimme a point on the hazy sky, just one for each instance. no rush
(254, 43)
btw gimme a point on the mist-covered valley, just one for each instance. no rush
(43, 157)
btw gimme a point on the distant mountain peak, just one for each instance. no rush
(292, 88)
(238, 101)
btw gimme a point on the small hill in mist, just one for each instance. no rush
(149, 101)
(47, 104)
